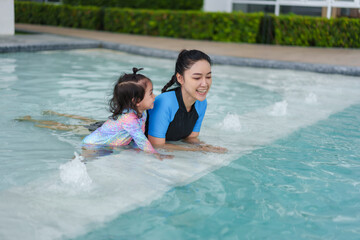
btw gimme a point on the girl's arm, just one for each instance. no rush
(134, 129)
(131, 125)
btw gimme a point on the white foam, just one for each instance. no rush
(344, 219)
(231, 122)
(279, 109)
(311, 98)
(74, 173)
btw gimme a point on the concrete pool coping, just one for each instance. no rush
(322, 60)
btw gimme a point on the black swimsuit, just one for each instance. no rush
(169, 118)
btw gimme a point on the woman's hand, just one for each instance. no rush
(163, 156)
(210, 148)
(193, 139)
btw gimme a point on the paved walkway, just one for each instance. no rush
(333, 56)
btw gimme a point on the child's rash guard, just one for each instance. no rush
(120, 132)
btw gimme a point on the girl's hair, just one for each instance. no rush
(128, 91)
(185, 60)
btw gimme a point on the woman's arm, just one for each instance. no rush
(193, 138)
(195, 145)
(160, 143)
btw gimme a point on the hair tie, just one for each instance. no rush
(135, 70)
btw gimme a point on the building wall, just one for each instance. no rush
(7, 26)
(217, 5)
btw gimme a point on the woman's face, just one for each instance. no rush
(196, 81)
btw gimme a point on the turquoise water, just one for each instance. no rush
(292, 170)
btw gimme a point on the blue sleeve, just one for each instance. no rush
(163, 113)
(200, 109)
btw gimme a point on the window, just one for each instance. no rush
(306, 11)
(250, 8)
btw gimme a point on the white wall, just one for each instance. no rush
(217, 5)
(7, 20)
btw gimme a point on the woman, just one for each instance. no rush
(178, 113)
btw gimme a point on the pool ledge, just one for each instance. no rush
(45, 42)
(239, 61)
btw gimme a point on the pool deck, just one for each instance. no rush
(323, 60)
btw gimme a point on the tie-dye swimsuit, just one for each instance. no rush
(120, 132)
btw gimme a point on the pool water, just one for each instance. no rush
(292, 170)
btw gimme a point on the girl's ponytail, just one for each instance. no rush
(169, 84)
(135, 70)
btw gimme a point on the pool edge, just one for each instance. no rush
(168, 54)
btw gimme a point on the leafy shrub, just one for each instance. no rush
(59, 15)
(235, 27)
(316, 31)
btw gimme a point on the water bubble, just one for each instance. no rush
(74, 172)
(231, 122)
(311, 98)
(279, 109)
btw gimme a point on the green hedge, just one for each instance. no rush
(143, 4)
(316, 31)
(230, 27)
(59, 15)
(235, 27)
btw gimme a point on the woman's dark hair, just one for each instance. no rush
(185, 60)
(128, 91)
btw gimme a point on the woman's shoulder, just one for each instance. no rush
(166, 95)
(201, 105)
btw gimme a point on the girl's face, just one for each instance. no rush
(148, 100)
(196, 81)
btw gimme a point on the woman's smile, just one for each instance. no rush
(202, 92)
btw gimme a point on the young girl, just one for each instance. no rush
(132, 96)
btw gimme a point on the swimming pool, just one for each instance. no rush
(292, 170)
